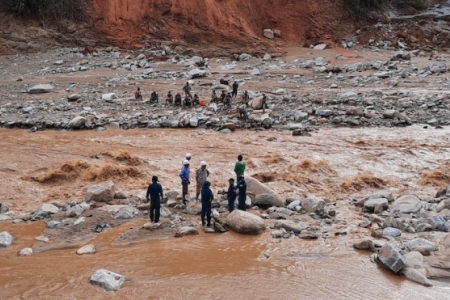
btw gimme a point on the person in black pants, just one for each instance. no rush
(231, 194)
(207, 198)
(242, 187)
(155, 194)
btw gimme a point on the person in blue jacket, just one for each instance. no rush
(207, 198)
(242, 187)
(184, 175)
(154, 195)
(231, 194)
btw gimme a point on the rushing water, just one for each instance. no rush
(222, 266)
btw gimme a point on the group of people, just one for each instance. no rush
(203, 190)
(176, 100)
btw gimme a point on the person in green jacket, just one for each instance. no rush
(239, 167)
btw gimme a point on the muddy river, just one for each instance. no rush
(338, 164)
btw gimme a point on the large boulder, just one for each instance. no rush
(366, 245)
(407, 204)
(444, 204)
(108, 280)
(109, 97)
(124, 213)
(382, 194)
(6, 239)
(291, 226)
(390, 258)
(255, 187)
(421, 243)
(77, 122)
(313, 205)
(268, 33)
(185, 230)
(74, 211)
(197, 73)
(414, 269)
(41, 88)
(256, 103)
(391, 232)
(245, 222)
(102, 192)
(268, 200)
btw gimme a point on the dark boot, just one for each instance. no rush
(203, 220)
(209, 220)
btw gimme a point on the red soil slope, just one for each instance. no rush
(218, 23)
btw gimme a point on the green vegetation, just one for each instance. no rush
(46, 10)
(359, 8)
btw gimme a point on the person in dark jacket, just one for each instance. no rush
(184, 175)
(242, 195)
(154, 195)
(207, 198)
(231, 194)
(235, 89)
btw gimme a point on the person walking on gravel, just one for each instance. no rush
(154, 195)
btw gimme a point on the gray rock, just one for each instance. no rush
(255, 72)
(87, 249)
(366, 245)
(245, 222)
(414, 269)
(267, 199)
(313, 205)
(6, 239)
(308, 236)
(267, 57)
(5, 218)
(53, 224)
(406, 204)
(124, 213)
(102, 192)
(294, 204)
(348, 95)
(371, 203)
(244, 57)
(444, 204)
(278, 234)
(219, 228)
(320, 47)
(77, 122)
(3, 208)
(25, 252)
(74, 211)
(289, 225)
(423, 227)
(165, 212)
(73, 97)
(40, 89)
(390, 258)
(109, 97)
(193, 208)
(268, 33)
(197, 73)
(50, 208)
(108, 280)
(392, 232)
(438, 223)
(389, 113)
(421, 243)
(382, 194)
(284, 211)
(185, 230)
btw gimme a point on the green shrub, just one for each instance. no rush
(46, 10)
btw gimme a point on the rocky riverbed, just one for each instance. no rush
(367, 170)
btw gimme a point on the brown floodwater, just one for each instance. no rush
(225, 266)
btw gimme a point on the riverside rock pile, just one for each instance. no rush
(398, 90)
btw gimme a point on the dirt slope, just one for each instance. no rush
(222, 23)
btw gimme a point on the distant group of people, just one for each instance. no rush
(203, 189)
(176, 100)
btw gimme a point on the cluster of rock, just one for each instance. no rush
(406, 32)
(398, 221)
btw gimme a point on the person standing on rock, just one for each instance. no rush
(201, 175)
(154, 195)
(242, 194)
(231, 194)
(239, 167)
(187, 90)
(184, 175)
(246, 97)
(235, 89)
(138, 94)
(169, 99)
(207, 198)
(264, 103)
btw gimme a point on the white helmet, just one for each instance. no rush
(203, 163)
(188, 155)
(185, 162)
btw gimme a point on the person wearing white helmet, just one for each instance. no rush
(201, 174)
(184, 175)
(187, 157)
